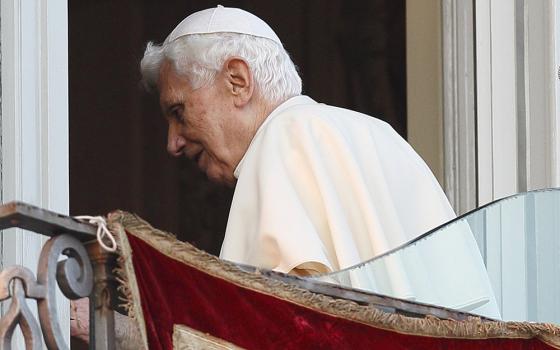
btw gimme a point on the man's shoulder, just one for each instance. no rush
(323, 116)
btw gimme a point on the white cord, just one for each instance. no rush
(102, 231)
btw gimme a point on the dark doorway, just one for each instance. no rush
(350, 54)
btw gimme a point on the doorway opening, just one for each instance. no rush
(349, 54)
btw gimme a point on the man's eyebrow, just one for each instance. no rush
(169, 106)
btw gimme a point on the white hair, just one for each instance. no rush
(199, 57)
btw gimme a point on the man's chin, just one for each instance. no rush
(221, 179)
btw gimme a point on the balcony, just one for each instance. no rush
(73, 262)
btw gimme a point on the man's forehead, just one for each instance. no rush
(171, 86)
(166, 73)
(169, 98)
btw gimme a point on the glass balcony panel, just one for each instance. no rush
(515, 240)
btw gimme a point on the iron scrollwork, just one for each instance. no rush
(75, 279)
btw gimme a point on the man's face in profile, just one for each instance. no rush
(200, 125)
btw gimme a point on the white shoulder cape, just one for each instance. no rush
(327, 188)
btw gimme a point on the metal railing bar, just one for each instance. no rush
(46, 222)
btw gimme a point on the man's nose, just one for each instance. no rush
(175, 143)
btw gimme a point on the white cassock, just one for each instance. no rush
(324, 188)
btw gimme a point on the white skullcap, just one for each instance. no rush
(223, 20)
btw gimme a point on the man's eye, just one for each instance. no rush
(177, 115)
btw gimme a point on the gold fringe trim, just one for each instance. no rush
(124, 273)
(430, 326)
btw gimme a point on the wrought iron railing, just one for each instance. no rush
(86, 272)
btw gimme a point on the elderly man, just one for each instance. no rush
(317, 188)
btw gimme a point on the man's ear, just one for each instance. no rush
(239, 80)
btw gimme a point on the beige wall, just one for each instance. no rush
(424, 81)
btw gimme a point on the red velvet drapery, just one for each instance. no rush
(173, 292)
